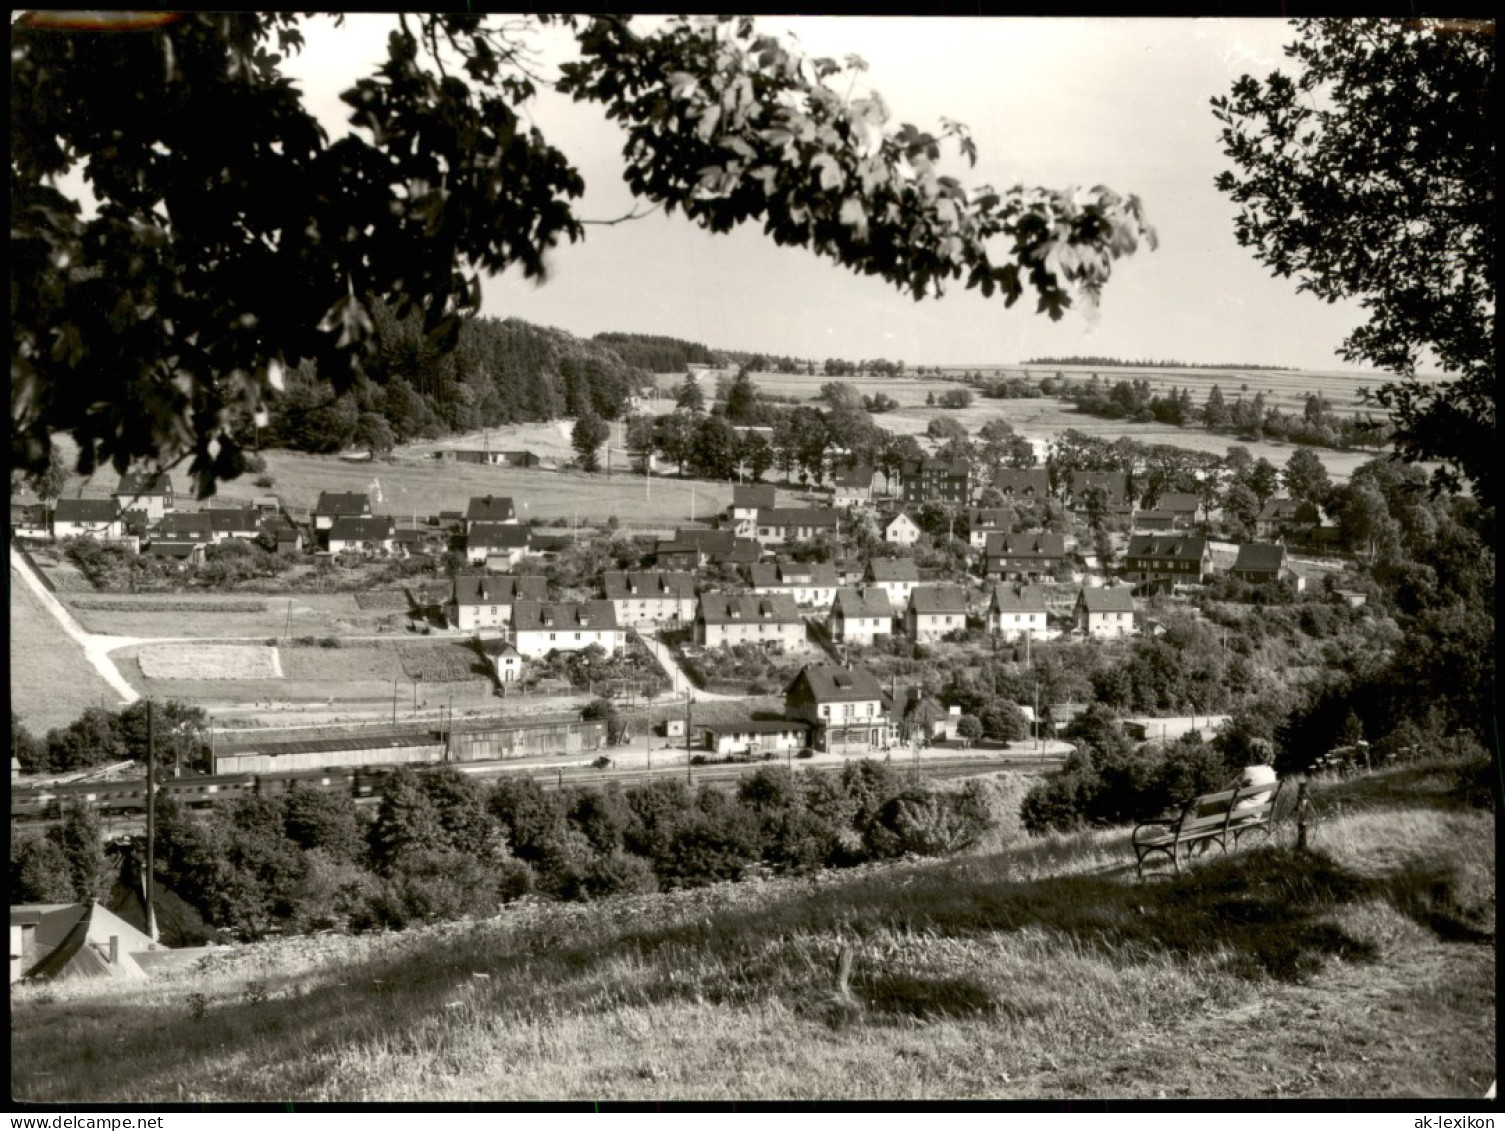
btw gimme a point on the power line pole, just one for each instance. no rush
(689, 778)
(151, 820)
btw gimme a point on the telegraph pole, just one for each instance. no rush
(689, 777)
(151, 820)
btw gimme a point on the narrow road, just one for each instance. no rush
(681, 678)
(96, 649)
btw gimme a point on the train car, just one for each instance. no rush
(205, 792)
(334, 779)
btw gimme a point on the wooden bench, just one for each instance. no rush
(1209, 819)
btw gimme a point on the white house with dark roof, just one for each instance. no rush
(935, 610)
(368, 535)
(769, 621)
(895, 576)
(234, 522)
(488, 541)
(852, 485)
(489, 509)
(749, 498)
(859, 616)
(776, 525)
(539, 627)
(185, 526)
(485, 601)
(754, 736)
(340, 504)
(87, 518)
(901, 530)
(983, 521)
(1018, 611)
(651, 599)
(846, 707)
(149, 491)
(810, 584)
(1106, 613)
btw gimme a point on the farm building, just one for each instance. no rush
(488, 457)
(149, 491)
(755, 736)
(539, 628)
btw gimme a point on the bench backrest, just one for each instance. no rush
(1217, 810)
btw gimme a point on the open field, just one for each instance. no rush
(1364, 968)
(223, 615)
(51, 682)
(208, 662)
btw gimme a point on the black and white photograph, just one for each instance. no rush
(726, 560)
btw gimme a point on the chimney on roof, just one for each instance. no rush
(114, 950)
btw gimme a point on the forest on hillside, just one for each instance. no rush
(502, 371)
(657, 353)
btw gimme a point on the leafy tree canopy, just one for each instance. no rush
(218, 257)
(1370, 175)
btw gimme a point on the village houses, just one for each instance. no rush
(149, 491)
(811, 584)
(901, 530)
(489, 509)
(983, 521)
(541, 627)
(770, 621)
(1264, 563)
(845, 707)
(485, 601)
(749, 498)
(777, 525)
(650, 599)
(935, 610)
(368, 535)
(1174, 558)
(1105, 613)
(895, 576)
(859, 616)
(754, 736)
(339, 504)
(852, 486)
(1017, 612)
(500, 545)
(87, 518)
(1027, 555)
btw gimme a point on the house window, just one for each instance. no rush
(825, 710)
(577, 636)
(551, 636)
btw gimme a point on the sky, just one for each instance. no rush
(1050, 102)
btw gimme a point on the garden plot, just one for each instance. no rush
(346, 663)
(209, 661)
(441, 663)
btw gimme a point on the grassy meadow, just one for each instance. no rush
(51, 681)
(1364, 967)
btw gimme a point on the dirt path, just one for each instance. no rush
(682, 682)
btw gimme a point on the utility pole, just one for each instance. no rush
(689, 778)
(394, 698)
(151, 820)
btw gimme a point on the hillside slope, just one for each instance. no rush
(1364, 967)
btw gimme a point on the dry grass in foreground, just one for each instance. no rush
(51, 680)
(1364, 967)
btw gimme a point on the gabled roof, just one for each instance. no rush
(1022, 481)
(504, 535)
(748, 608)
(797, 516)
(852, 603)
(143, 483)
(373, 528)
(706, 540)
(991, 518)
(852, 476)
(1114, 483)
(747, 496)
(893, 569)
(757, 726)
(86, 510)
(621, 586)
(563, 616)
(74, 941)
(898, 518)
(348, 504)
(1176, 547)
(1277, 509)
(1179, 502)
(930, 600)
(1018, 599)
(1261, 557)
(490, 508)
(830, 683)
(1026, 544)
(784, 575)
(499, 589)
(186, 524)
(1118, 599)
(234, 518)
